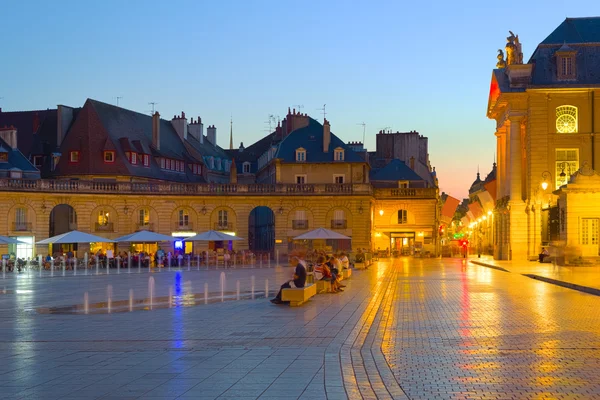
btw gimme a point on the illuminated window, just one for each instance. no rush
(103, 217)
(144, 217)
(567, 163)
(146, 160)
(184, 218)
(300, 154)
(74, 156)
(109, 156)
(566, 119)
(134, 158)
(402, 216)
(589, 231)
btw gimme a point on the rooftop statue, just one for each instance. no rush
(514, 54)
(501, 63)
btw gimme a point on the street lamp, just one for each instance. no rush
(546, 176)
(381, 212)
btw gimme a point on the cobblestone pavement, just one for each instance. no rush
(419, 329)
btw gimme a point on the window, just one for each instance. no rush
(338, 155)
(74, 156)
(218, 163)
(300, 179)
(3, 155)
(134, 158)
(184, 218)
(566, 119)
(565, 64)
(300, 215)
(168, 163)
(38, 161)
(402, 216)
(246, 168)
(144, 217)
(20, 218)
(163, 163)
(109, 156)
(103, 217)
(300, 154)
(589, 231)
(403, 184)
(338, 178)
(567, 163)
(223, 214)
(146, 160)
(16, 174)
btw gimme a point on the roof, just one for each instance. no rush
(476, 185)
(492, 175)
(310, 138)
(16, 160)
(581, 35)
(28, 123)
(252, 153)
(576, 30)
(395, 170)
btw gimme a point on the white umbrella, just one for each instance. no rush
(145, 237)
(7, 240)
(213, 236)
(321, 233)
(75, 237)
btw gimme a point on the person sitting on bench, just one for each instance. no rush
(298, 280)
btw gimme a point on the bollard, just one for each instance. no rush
(40, 264)
(86, 303)
(85, 262)
(266, 288)
(206, 293)
(130, 300)
(237, 290)
(129, 262)
(170, 296)
(75, 267)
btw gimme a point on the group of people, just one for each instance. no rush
(326, 268)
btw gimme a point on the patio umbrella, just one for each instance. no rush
(213, 236)
(144, 237)
(75, 237)
(7, 240)
(321, 233)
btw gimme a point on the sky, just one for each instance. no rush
(423, 66)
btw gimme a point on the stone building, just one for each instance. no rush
(547, 113)
(112, 171)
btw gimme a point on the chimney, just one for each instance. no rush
(36, 123)
(233, 172)
(211, 135)
(9, 135)
(196, 129)
(63, 122)
(412, 163)
(180, 125)
(326, 136)
(156, 130)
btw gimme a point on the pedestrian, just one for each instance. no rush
(298, 280)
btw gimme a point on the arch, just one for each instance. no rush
(63, 219)
(336, 221)
(104, 218)
(183, 218)
(223, 218)
(566, 119)
(21, 221)
(261, 230)
(147, 222)
(301, 218)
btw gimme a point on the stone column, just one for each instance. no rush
(518, 217)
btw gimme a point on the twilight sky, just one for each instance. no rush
(423, 66)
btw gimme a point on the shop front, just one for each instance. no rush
(23, 250)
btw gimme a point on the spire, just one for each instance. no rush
(477, 171)
(231, 134)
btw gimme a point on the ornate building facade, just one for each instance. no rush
(547, 113)
(112, 171)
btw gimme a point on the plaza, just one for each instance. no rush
(404, 328)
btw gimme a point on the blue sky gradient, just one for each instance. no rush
(423, 66)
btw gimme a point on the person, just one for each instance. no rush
(298, 280)
(344, 260)
(545, 253)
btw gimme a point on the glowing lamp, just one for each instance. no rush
(484, 217)
(381, 212)
(544, 185)
(490, 212)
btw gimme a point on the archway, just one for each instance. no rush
(63, 219)
(261, 230)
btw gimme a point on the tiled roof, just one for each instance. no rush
(252, 153)
(395, 170)
(17, 160)
(576, 30)
(25, 121)
(311, 139)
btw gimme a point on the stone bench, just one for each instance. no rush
(297, 296)
(346, 273)
(361, 265)
(323, 286)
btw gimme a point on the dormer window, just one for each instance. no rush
(565, 63)
(3, 155)
(246, 168)
(218, 163)
(212, 162)
(146, 158)
(134, 158)
(37, 161)
(403, 184)
(74, 157)
(300, 154)
(338, 154)
(109, 156)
